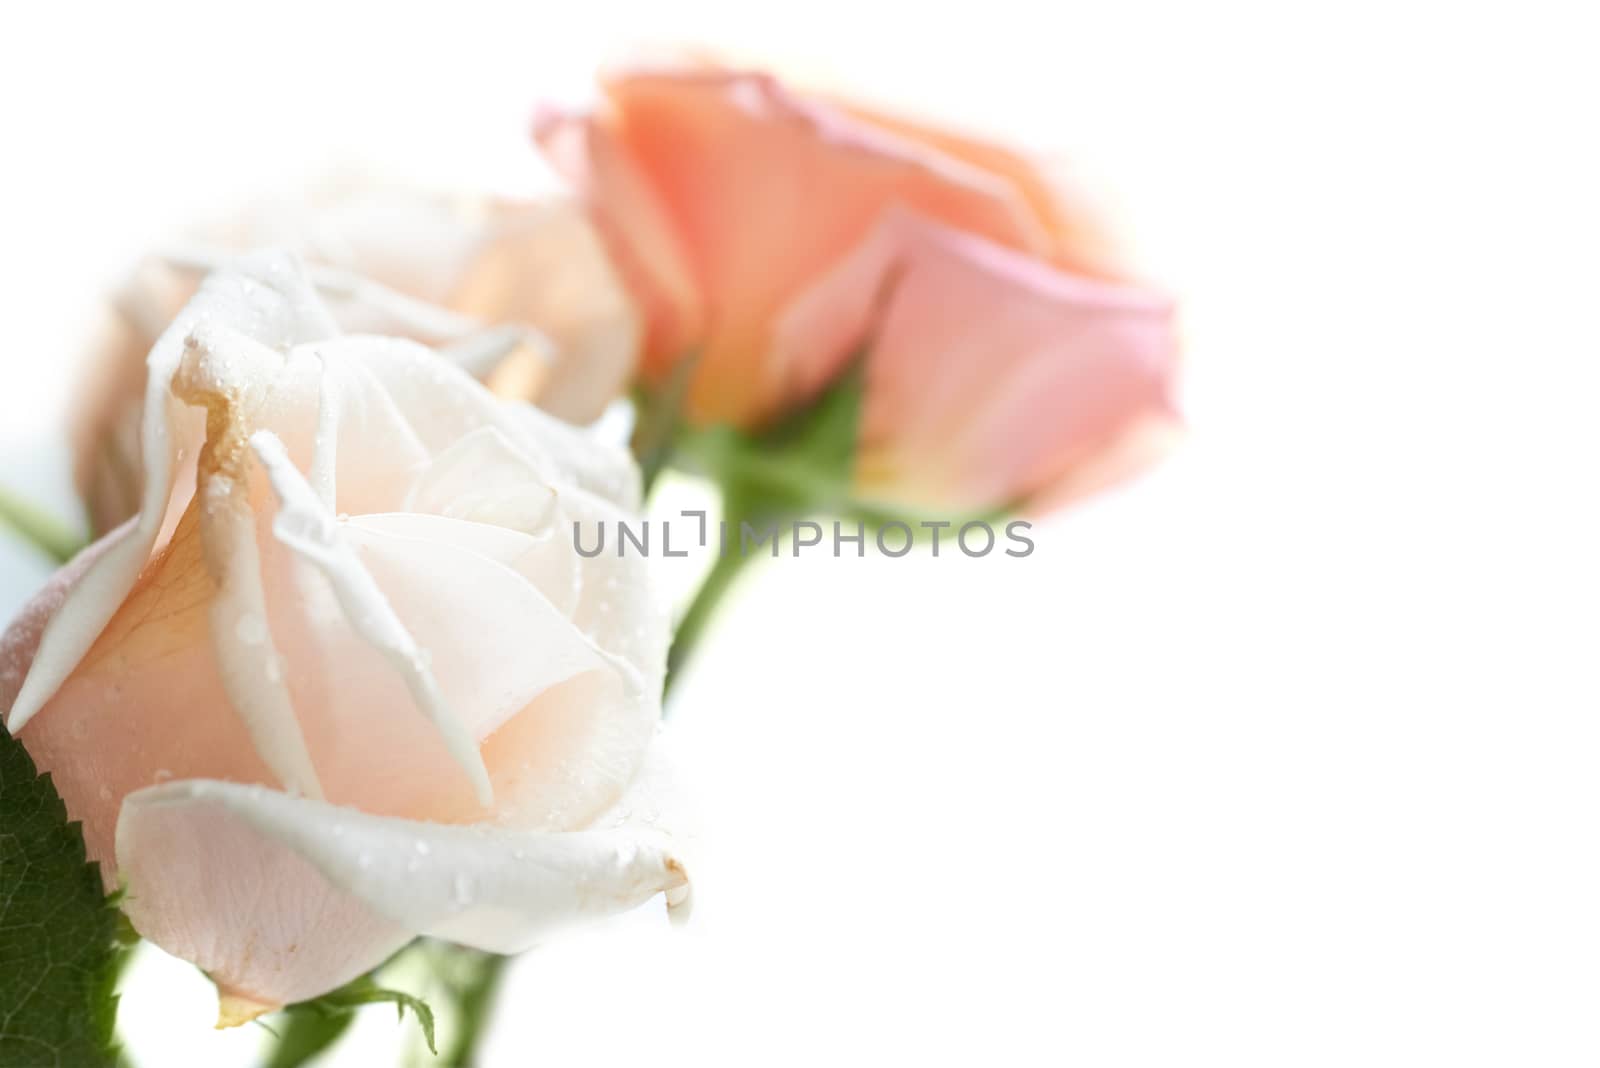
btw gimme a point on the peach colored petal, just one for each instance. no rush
(267, 299)
(637, 226)
(226, 373)
(146, 703)
(991, 377)
(1080, 243)
(309, 529)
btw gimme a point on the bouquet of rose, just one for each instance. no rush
(351, 669)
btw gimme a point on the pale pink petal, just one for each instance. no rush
(146, 704)
(306, 526)
(266, 298)
(991, 377)
(248, 909)
(496, 889)
(561, 718)
(442, 405)
(545, 264)
(226, 373)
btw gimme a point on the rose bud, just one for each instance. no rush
(344, 679)
(767, 236)
(442, 270)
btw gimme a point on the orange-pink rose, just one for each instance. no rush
(771, 236)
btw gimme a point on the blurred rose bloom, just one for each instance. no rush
(344, 679)
(441, 270)
(772, 236)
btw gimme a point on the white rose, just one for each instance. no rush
(345, 680)
(519, 291)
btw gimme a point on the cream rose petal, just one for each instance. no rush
(486, 478)
(266, 298)
(306, 526)
(492, 888)
(444, 405)
(249, 910)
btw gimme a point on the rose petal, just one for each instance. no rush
(443, 404)
(637, 225)
(563, 718)
(146, 703)
(248, 909)
(1080, 243)
(210, 843)
(991, 377)
(306, 526)
(545, 264)
(226, 373)
(265, 297)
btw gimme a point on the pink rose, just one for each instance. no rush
(768, 236)
(344, 679)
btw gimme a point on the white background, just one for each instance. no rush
(1286, 755)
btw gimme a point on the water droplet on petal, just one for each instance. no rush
(251, 630)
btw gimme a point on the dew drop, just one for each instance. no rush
(251, 630)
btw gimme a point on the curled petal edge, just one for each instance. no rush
(490, 888)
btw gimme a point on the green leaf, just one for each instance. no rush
(315, 1025)
(59, 934)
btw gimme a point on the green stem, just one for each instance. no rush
(303, 1036)
(730, 562)
(47, 533)
(474, 1000)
